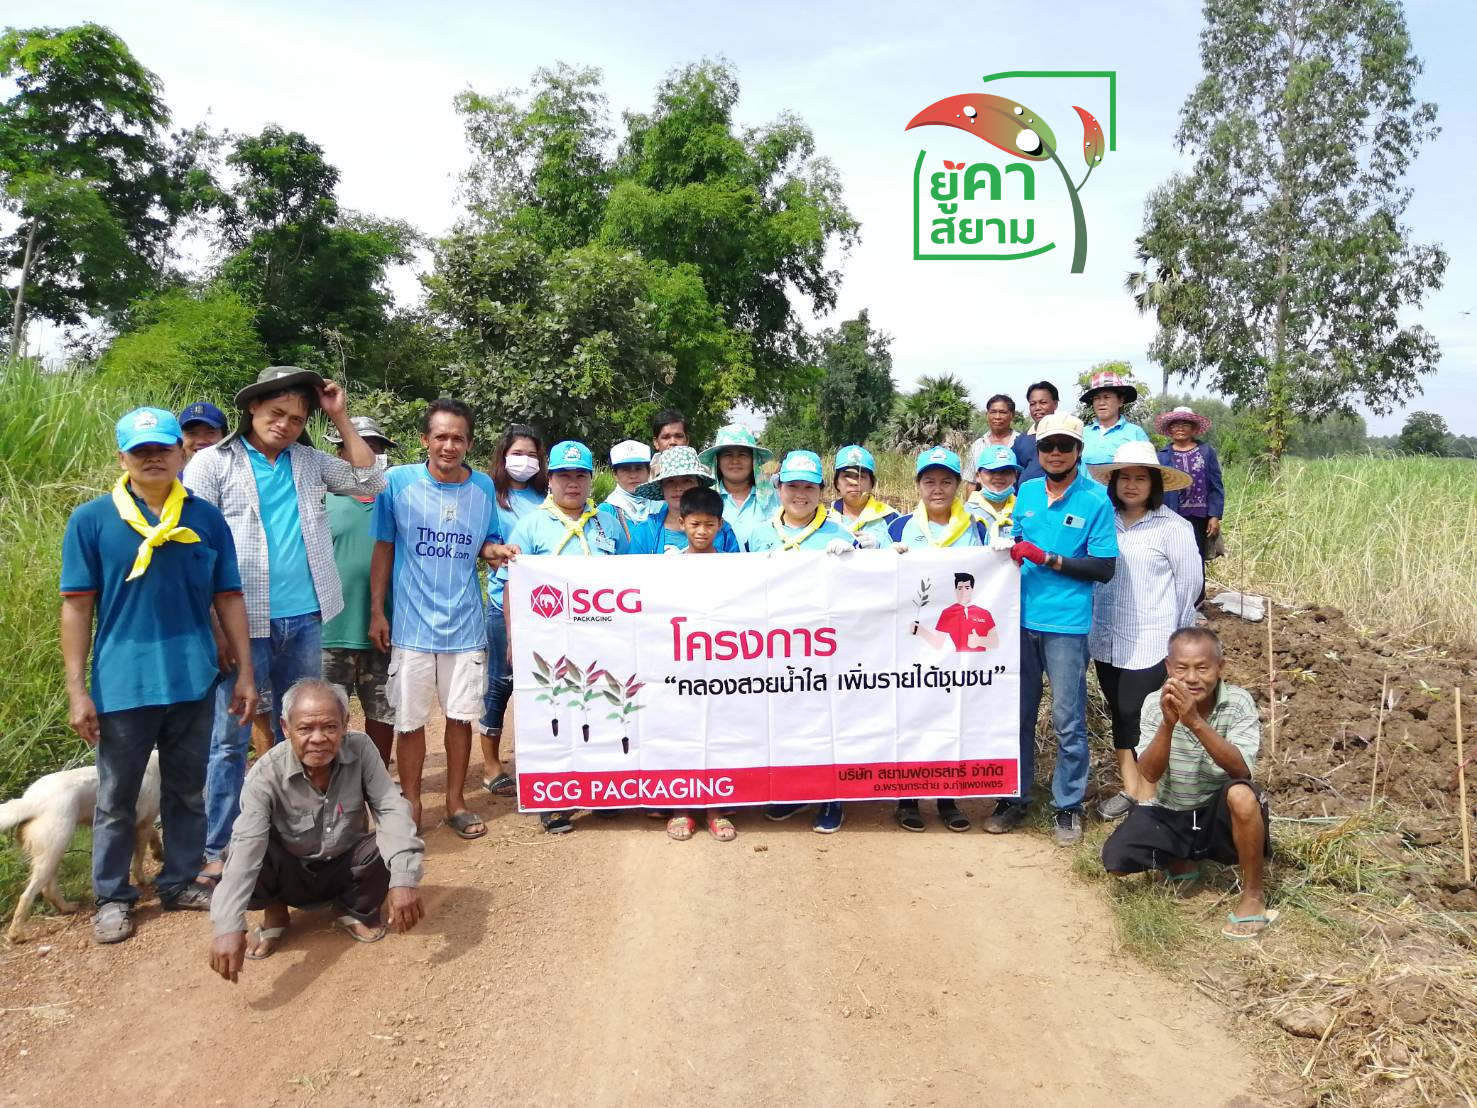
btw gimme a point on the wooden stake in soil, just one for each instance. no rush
(1379, 730)
(1271, 685)
(1461, 781)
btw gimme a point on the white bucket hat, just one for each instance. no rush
(1141, 454)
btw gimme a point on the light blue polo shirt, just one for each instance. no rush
(291, 591)
(438, 529)
(905, 529)
(878, 529)
(520, 503)
(1079, 524)
(539, 532)
(1099, 444)
(652, 537)
(767, 536)
(757, 509)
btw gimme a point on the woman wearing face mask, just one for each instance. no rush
(995, 471)
(1108, 395)
(521, 478)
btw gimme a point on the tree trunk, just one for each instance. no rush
(18, 317)
(1278, 400)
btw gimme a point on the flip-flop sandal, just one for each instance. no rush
(501, 785)
(681, 828)
(261, 935)
(209, 880)
(954, 819)
(910, 819)
(1182, 878)
(464, 821)
(1266, 919)
(722, 829)
(348, 923)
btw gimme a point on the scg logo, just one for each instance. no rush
(546, 601)
(607, 601)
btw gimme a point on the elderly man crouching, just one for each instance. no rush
(303, 835)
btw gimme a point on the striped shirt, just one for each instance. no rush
(1192, 777)
(1152, 593)
(438, 529)
(222, 475)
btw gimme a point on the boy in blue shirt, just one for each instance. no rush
(1066, 541)
(675, 470)
(150, 562)
(431, 524)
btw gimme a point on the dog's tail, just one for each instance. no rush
(15, 812)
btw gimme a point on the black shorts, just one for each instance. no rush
(1151, 837)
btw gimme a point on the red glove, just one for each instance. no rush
(1024, 551)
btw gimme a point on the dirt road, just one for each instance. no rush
(614, 966)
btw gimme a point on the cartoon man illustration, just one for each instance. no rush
(963, 625)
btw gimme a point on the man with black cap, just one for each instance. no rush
(202, 425)
(269, 482)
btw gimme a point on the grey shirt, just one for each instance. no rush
(278, 801)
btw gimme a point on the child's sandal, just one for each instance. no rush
(722, 829)
(681, 828)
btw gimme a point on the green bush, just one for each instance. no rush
(185, 341)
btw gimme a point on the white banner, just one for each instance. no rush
(682, 680)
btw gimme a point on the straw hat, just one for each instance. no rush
(1143, 454)
(1181, 415)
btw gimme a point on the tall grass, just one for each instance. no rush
(56, 450)
(1392, 541)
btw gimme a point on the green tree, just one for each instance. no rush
(188, 338)
(1339, 433)
(699, 228)
(937, 411)
(1288, 267)
(856, 390)
(1424, 433)
(88, 171)
(316, 273)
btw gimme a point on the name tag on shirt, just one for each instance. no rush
(604, 543)
(1069, 520)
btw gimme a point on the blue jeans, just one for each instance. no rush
(293, 650)
(499, 676)
(182, 734)
(1062, 660)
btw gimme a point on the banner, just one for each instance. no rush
(674, 681)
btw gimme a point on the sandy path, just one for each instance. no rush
(613, 966)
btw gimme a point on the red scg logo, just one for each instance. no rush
(546, 601)
(607, 601)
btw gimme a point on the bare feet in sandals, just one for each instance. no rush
(681, 827)
(722, 829)
(265, 940)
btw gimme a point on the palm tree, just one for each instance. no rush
(1153, 289)
(933, 412)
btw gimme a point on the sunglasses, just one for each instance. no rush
(1056, 446)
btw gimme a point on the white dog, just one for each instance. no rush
(48, 813)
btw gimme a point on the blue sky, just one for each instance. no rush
(373, 82)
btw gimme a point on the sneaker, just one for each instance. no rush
(1068, 829)
(195, 897)
(113, 922)
(1007, 816)
(1115, 807)
(777, 812)
(828, 819)
(556, 823)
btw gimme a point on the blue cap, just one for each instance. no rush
(143, 426)
(801, 465)
(203, 411)
(570, 454)
(856, 457)
(997, 457)
(937, 456)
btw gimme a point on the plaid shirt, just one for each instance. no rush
(222, 475)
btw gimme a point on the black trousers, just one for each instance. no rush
(1202, 543)
(1125, 691)
(356, 881)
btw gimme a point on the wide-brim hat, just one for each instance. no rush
(734, 437)
(1111, 382)
(1168, 419)
(1140, 453)
(675, 461)
(275, 378)
(367, 427)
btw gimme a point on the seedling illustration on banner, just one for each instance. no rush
(974, 210)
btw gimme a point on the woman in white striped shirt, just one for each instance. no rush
(1152, 594)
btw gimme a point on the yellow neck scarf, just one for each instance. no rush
(872, 511)
(810, 528)
(168, 529)
(999, 514)
(574, 530)
(959, 522)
